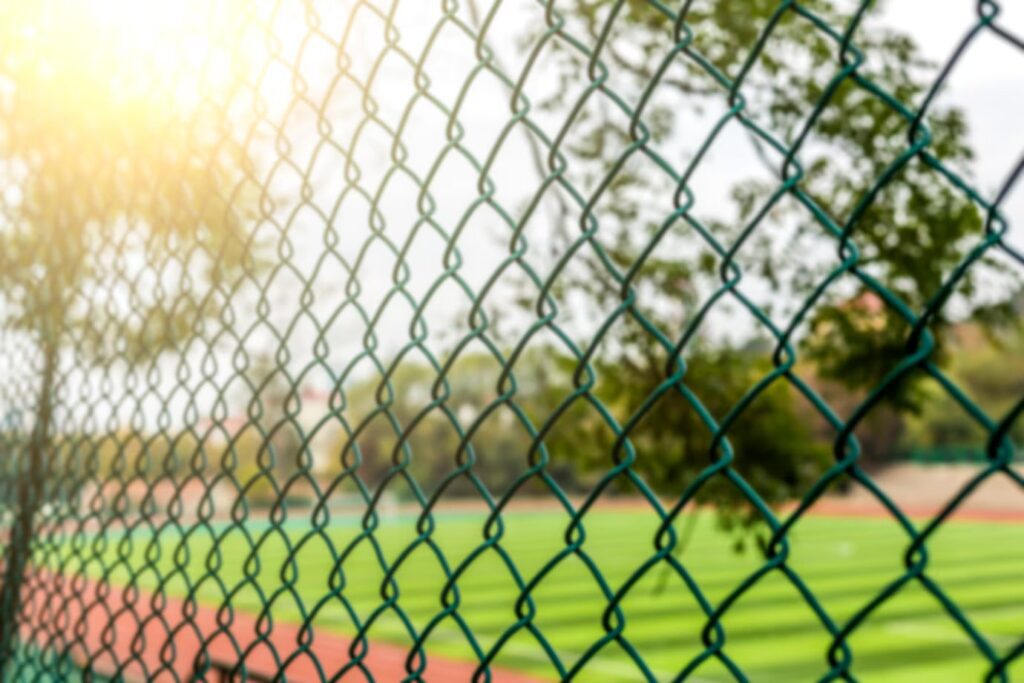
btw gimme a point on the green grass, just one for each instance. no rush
(771, 633)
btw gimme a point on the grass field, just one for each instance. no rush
(771, 634)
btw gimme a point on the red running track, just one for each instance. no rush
(145, 637)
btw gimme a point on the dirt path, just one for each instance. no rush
(924, 490)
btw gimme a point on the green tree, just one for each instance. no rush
(777, 450)
(640, 80)
(125, 212)
(982, 364)
(418, 432)
(269, 456)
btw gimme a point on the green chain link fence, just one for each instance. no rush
(219, 273)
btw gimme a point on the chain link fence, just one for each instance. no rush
(334, 334)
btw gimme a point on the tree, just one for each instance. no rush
(268, 457)
(638, 81)
(778, 452)
(124, 214)
(418, 432)
(980, 365)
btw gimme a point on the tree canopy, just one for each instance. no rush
(810, 252)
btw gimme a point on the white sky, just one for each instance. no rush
(987, 83)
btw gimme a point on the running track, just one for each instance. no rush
(143, 637)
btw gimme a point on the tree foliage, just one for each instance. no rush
(846, 133)
(123, 214)
(122, 204)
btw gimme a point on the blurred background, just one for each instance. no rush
(734, 271)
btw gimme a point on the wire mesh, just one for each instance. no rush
(222, 277)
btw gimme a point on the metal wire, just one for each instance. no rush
(256, 248)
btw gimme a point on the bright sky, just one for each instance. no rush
(987, 83)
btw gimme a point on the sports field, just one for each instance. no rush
(771, 633)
